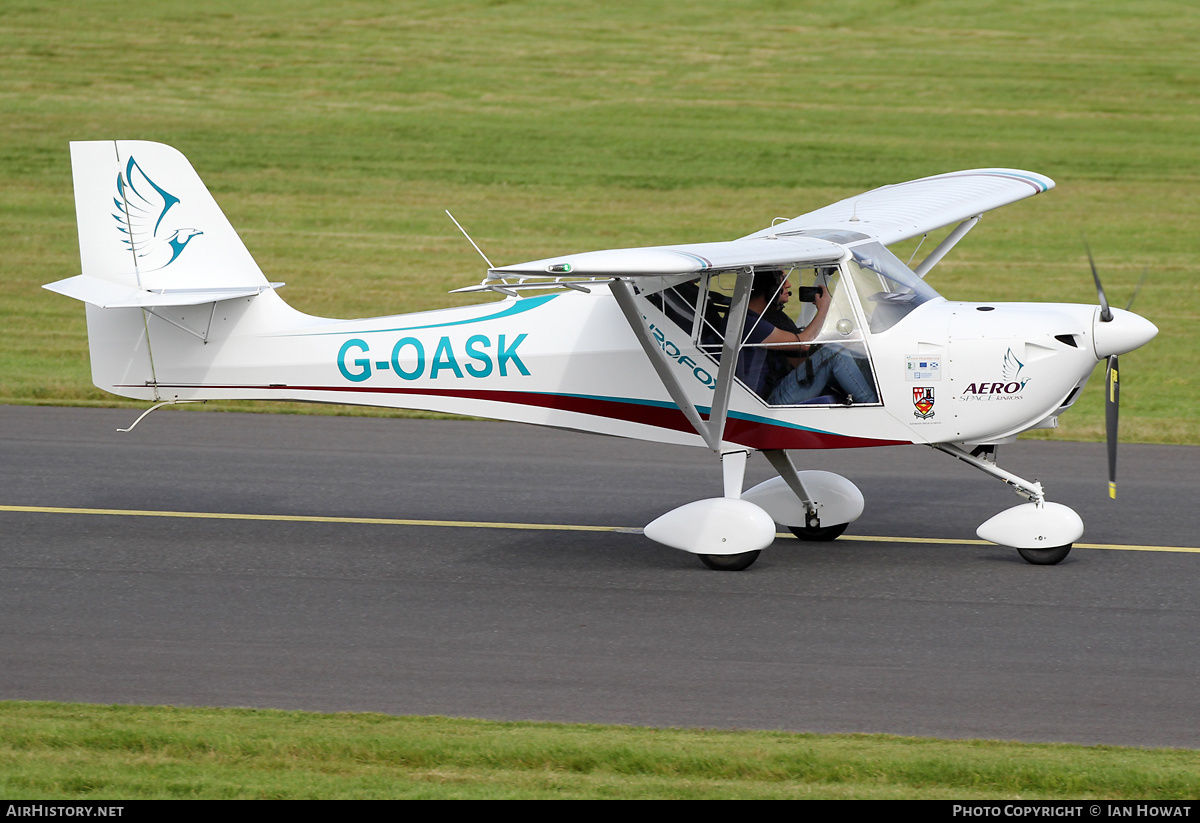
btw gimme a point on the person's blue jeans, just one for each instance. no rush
(832, 365)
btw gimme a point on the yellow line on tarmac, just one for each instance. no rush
(472, 524)
(303, 518)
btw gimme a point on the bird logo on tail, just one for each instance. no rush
(142, 206)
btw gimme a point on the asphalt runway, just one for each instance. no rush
(947, 639)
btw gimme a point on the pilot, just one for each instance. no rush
(789, 376)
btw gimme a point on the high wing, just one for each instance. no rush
(694, 258)
(903, 210)
(889, 214)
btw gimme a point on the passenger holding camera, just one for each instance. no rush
(790, 375)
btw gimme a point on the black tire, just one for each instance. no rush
(1045, 557)
(819, 534)
(729, 562)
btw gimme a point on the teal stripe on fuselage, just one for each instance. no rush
(519, 307)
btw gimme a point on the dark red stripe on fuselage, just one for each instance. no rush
(751, 433)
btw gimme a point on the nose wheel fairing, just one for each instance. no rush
(1033, 526)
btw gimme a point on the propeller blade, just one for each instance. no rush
(1138, 288)
(1105, 311)
(1112, 405)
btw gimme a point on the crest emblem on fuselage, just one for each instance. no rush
(142, 206)
(923, 401)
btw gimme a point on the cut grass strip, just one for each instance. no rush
(75, 751)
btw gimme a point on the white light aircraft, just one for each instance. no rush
(696, 344)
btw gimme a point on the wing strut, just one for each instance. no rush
(714, 429)
(943, 248)
(735, 325)
(623, 293)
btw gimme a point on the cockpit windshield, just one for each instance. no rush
(887, 289)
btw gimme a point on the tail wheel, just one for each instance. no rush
(820, 533)
(1046, 557)
(729, 562)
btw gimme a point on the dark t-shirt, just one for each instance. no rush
(780, 362)
(754, 363)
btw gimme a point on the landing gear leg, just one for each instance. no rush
(814, 505)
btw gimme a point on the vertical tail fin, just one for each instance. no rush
(147, 221)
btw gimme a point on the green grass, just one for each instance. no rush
(54, 751)
(334, 133)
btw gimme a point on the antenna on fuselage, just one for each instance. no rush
(469, 240)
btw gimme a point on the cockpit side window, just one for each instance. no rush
(829, 367)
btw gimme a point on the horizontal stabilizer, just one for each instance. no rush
(106, 294)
